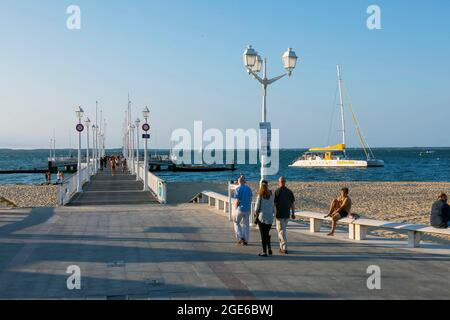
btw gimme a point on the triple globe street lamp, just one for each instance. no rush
(254, 63)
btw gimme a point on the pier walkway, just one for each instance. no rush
(108, 189)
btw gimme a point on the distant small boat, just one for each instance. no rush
(170, 163)
(336, 156)
(427, 152)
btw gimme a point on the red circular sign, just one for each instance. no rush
(80, 127)
(146, 127)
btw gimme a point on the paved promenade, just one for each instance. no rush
(129, 247)
(188, 252)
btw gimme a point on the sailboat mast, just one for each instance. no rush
(70, 145)
(341, 103)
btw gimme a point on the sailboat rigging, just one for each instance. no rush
(336, 156)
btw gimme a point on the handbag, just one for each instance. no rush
(256, 213)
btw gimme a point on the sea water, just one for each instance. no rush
(401, 164)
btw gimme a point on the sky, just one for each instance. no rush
(183, 59)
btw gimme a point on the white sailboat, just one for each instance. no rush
(336, 156)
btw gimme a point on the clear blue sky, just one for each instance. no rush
(183, 59)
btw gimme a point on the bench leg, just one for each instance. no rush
(225, 207)
(315, 225)
(351, 231)
(413, 239)
(360, 232)
(209, 201)
(217, 203)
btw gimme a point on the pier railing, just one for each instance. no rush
(68, 188)
(156, 185)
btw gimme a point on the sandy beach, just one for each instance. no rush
(393, 201)
(390, 201)
(28, 196)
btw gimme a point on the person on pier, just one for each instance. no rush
(340, 208)
(285, 209)
(440, 213)
(265, 211)
(243, 207)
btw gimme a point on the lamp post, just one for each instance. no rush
(94, 147)
(137, 123)
(253, 63)
(79, 112)
(51, 151)
(146, 114)
(87, 122)
(132, 127)
(95, 136)
(102, 141)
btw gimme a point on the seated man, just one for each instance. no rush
(440, 213)
(340, 209)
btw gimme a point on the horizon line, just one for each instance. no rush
(284, 148)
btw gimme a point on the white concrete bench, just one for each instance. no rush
(358, 228)
(414, 231)
(219, 201)
(316, 221)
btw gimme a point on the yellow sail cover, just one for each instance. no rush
(338, 147)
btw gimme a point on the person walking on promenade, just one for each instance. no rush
(116, 159)
(124, 165)
(113, 166)
(340, 208)
(265, 210)
(243, 207)
(440, 213)
(49, 177)
(58, 178)
(285, 208)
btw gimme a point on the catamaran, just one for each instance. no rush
(336, 156)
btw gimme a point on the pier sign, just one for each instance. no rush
(265, 137)
(146, 127)
(146, 136)
(80, 127)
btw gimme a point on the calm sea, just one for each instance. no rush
(414, 164)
